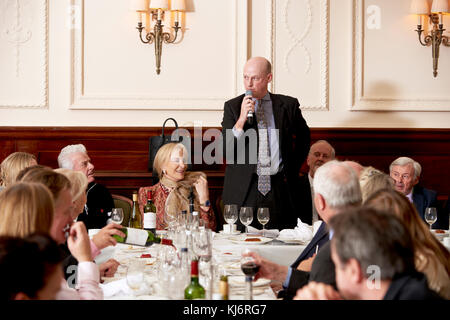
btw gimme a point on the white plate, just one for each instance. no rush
(441, 235)
(241, 240)
(290, 240)
(239, 291)
(234, 233)
(130, 248)
(239, 281)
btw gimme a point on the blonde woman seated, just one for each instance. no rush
(431, 257)
(372, 180)
(29, 207)
(174, 187)
(13, 164)
(63, 230)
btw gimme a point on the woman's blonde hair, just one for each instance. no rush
(54, 181)
(372, 180)
(430, 254)
(164, 153)
(78, 181)
(13, 164)
(25, 208)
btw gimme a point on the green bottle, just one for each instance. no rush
(140, 237)
(194, 290)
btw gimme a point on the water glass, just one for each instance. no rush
(230, 213)
(246, 217)
(135, 274)
(117, 215)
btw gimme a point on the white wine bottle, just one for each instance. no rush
(136, 216)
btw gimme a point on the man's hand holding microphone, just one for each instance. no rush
(247, 111)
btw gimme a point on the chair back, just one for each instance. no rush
(126, 204)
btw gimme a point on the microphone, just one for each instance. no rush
(250, 113)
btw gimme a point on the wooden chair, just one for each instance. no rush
(126, 204)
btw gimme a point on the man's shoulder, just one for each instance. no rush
(99, 188)
(285, 98)
(426, 192)
(235, 100)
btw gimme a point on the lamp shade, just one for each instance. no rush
(177, 5)
(138, 5)
(419, 7)
(159, 4)
(440, 6)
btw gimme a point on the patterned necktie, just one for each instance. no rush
(263, 166)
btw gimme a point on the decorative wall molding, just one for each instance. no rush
(360, 101)
(298, 40)
(81, 100)
(18, 34)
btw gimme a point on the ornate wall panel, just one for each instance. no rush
(23, 54)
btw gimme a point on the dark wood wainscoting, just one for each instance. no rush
(120, 155)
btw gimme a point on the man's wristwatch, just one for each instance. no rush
(206, 204)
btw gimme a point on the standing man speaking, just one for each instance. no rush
(266, 141)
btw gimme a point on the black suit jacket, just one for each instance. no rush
(322, 270)
(294, 140)
(320, 238)
(99, 203)
(410, 287)
(305, 198)
(423, 198)
(299, 278)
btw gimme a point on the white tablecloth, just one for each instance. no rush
(224, 252)
(277, 251)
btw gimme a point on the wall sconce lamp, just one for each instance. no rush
(435, 37)
(156, 9)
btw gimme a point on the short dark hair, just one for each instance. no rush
(26, 263)
(373, 237)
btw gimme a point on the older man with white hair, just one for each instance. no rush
(99, 200)
(406, 173)
(336, 188)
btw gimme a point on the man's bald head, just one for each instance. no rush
(257, 76)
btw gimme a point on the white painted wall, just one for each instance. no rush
(87, 67)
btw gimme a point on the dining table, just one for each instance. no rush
(226, 255)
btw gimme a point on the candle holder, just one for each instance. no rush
(434, 39)
(155, 10)
(158, 37)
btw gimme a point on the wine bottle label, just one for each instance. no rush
(137, 237)
(149, 220)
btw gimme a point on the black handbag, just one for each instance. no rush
(157, 142)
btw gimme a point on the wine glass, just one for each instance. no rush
(171, 212)
(250, 268)
(117, 215)
(202, 246)
(246, 217)
(263, 216)
(430, 215)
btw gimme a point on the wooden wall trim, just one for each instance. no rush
(120, 154)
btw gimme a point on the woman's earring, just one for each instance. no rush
(163, 171)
